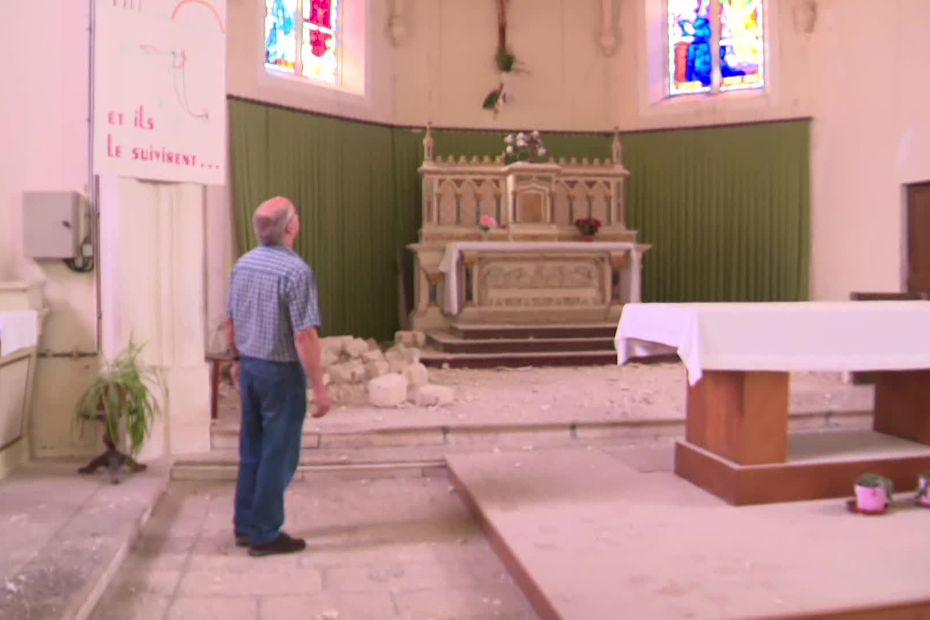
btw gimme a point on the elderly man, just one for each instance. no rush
(271, 326)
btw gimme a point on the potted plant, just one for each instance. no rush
(873, 494)
(122, 398)
(588, 227)
(923, 490)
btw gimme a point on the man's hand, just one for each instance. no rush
(310, 349)
(322, 400)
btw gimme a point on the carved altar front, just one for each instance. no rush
(535, 267)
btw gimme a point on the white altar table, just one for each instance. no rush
(451, 259)
(738, 358)
(817, 336)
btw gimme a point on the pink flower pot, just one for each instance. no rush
(871, 500)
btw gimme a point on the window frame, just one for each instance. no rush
(300, 23)
(716, 75)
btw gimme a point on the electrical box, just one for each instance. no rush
(51, 224)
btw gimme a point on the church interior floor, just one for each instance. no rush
(421, 541)
(553, 395)
(501, 403)
(377, 549)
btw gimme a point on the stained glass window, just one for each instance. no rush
(301, 38)
(692, 27)
(318, 49)
(690, 34)
(280, 35)
(742, 44)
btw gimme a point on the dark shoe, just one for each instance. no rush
(283, 544)
(242, 539)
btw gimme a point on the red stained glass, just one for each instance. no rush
(319, 42)
(321, 13)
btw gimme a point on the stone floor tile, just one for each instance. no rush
(147, 560)
(238, 560)
(214, 608)
(136, 576)
(264, 579)
(153, 544)
(329, 606)
(442, 603)
(396, 576)
(349, 552)
(125, 605)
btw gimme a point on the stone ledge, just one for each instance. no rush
(67, 535)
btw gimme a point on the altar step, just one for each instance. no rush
(585, 330)
(484, 346)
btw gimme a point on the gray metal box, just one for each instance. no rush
(51, 224)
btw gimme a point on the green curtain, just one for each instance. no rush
(726, 209)
(356, 188)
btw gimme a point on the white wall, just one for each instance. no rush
(43, 129)
(152, 290)
(44, 132)
(871, 136)
(445, 67)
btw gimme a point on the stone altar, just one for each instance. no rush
(535, 267)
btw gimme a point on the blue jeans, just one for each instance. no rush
(274, 404)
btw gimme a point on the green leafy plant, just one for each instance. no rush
(493, 100)
(874, 481)
(923, 489)
(123, 398)
(505, 59)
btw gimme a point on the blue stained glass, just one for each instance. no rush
(690, 33)
(281, 34)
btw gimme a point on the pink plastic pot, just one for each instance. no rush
(871, 500)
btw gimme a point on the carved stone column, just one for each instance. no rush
(434, 290)
(470, 281)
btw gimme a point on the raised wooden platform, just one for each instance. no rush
(597, 535)
(820, 465)
(737, 445)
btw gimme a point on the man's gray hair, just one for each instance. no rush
(270, 227)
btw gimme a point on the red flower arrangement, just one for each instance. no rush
(588, 226)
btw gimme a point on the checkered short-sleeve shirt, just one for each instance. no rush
(273, 295)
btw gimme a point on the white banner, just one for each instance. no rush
(160, 89)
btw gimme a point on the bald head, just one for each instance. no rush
(271, 220)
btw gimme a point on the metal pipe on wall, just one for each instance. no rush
(92, 181)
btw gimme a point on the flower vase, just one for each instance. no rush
(587, 237)
(871, 500)
(485, 234)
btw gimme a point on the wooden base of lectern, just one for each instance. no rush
(736, 440)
